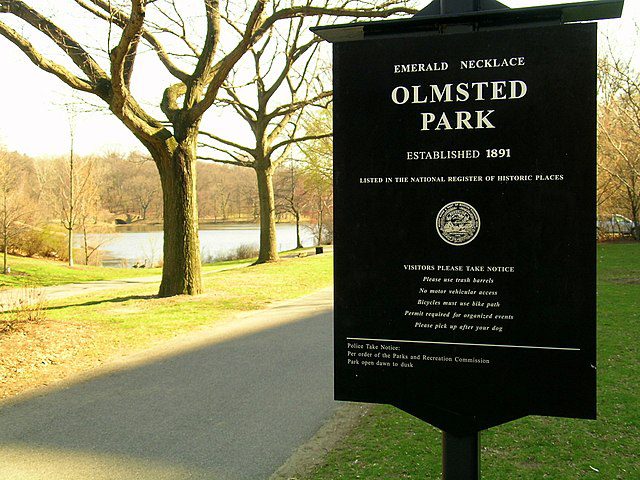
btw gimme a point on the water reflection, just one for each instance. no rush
(137, 245)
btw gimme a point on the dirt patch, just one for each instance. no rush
(43, 353)
(312, 454)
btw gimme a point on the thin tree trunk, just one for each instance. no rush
(181, 269)
(298, 240)
(635, 216)
(70, 245)
(5, 233)
(86, 244)
(268, 243)
(4, 254)
(71, 219)
(320, 220)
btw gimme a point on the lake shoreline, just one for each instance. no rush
(140, 245)
(203, 223)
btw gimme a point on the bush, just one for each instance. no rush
(42, 242)
(324, 238)
(241, 252)
(25, 306)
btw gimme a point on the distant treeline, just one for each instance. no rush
(44, 196)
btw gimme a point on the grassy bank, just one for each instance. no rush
(79, 333)
(134, 315)
(37, 272)
(390, 444)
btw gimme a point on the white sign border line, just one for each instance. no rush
(530, 347)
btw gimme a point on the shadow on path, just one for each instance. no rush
(230, 409)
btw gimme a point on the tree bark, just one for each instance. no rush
(268, 244)
(70, 245)
(85, 243)
(181, 269)
(320, 218)
(5, 247)
(5, 233)
(298, 240)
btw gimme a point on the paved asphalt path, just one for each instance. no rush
(232, 402)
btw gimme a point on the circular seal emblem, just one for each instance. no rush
(458, 223)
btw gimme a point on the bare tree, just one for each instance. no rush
(318, 175)
(145, 190)
(619, 135)
(89, 249)
(13, 205)
(71, 191)
(321, 192)
(115, 192)
(286, 82)
(70, 214)
(88, 209)
(292, 196)
(199, 67)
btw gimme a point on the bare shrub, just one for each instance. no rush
(26, 305)
(241, 252)
(40, 242)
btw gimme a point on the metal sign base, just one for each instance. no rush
(460, 456)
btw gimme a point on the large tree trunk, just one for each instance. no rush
(268, 243)
(181, 269)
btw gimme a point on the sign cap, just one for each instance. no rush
(426, 20)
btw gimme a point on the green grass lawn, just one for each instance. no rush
(134, 316)
(392, 445)
(37, 272)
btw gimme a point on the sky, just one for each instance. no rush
(35, 121)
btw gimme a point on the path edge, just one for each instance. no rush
(312, 454)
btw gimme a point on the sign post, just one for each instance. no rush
(460, 456)
(464, 173)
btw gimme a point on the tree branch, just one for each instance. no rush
(229, 143)
(312, 11)
(221, 70)
(292, 107)
(40, 61)
(57, 35)
(198, 78)
(237, 163)
(169, 104)
(248, 113)
(256, 27)
(109, 13)
(304, 138)
(123, 55)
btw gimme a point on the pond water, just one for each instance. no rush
(142, 245)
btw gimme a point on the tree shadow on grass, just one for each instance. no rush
(99, 302)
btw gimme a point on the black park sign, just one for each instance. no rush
(464, 219)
